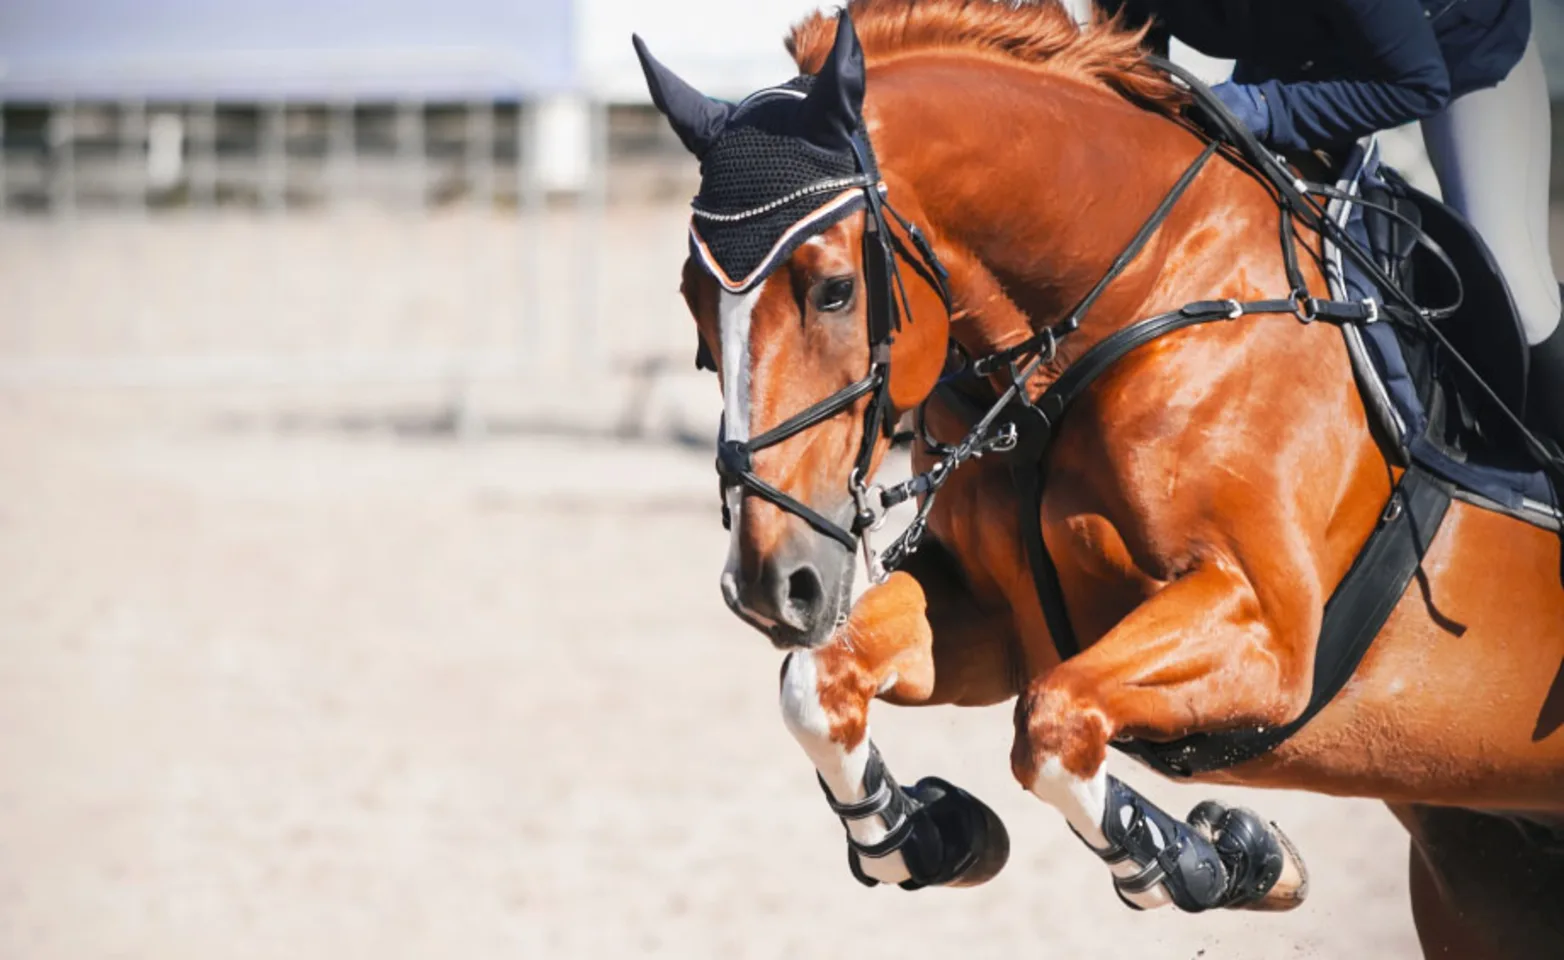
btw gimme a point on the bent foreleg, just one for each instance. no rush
(929, 834)
(1195, 657)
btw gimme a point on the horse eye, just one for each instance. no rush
(833, 295)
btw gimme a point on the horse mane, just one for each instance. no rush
(1038, 32)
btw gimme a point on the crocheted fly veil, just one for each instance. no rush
(777, 168)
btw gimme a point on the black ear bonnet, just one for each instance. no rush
(776, 169)
(765, 188)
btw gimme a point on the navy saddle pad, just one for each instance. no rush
(1427, 408)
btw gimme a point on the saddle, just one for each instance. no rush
(1429, 407)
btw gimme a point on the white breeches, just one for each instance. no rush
(1491, 150)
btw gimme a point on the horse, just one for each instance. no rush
(955, 177)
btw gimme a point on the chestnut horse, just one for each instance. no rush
(1204, 497)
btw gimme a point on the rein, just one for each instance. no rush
(1035, 421)
(884, 289)
(1046, 411)
(1295, 197)
(977, 441)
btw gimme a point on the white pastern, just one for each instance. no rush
(734, 315)
(841, 769)
(1084, 803)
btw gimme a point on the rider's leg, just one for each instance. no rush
(1545, 386)
(887, 649)
(1491, 150)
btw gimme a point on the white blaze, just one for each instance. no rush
(734, 314)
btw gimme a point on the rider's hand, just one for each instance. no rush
(1248, 105)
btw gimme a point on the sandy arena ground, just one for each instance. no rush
(299, 675)
(327, 694)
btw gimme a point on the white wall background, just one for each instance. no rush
(725, 48)
(729, 49)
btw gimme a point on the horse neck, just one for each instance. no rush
(1038, 199)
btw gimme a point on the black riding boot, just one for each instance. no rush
(1545, 387)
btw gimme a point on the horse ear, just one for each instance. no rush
(695, 117)
(835, 104)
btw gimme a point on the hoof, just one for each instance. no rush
(957, 841)
(1266, 870)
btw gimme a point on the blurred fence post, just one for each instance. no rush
(62, 158)
(480, 153)
(341, 152)
(411, 150)
(529, 206)
(167, 133)
(132, 156)
(274, 156)
(590, 234)
(477, 172)
(3, 197)
(203, 156)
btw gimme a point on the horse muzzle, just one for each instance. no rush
(797, 595)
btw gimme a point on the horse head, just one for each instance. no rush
(823, 314)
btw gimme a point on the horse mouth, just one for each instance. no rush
(816, 631)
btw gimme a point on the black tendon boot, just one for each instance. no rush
(1545, 387)
(1219, 858)
(1168, 852)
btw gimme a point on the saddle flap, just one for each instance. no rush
(1486, 330)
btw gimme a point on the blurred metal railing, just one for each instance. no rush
(304, 242)
(94, 186)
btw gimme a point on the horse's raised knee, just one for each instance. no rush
(1054, 724)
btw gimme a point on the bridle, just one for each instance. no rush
(885, 304)
(884, 289)
(1014, 419)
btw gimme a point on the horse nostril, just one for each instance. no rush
(804, 592)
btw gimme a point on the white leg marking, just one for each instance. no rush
(734, 314)
(840, 768)
(1084, 804)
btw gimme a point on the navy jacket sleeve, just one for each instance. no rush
(1403, 79)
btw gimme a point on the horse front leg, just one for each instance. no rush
(929, 834)
(1197, 656)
